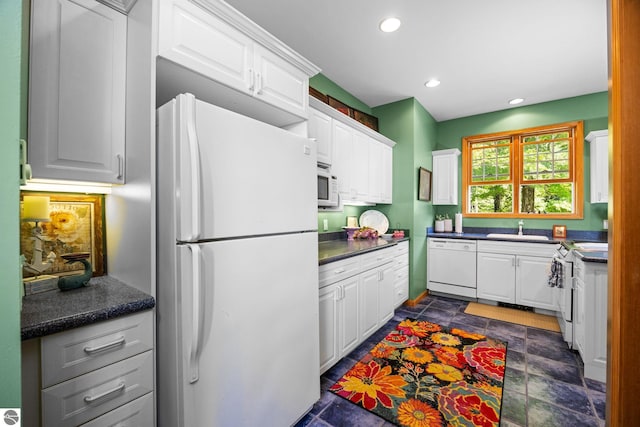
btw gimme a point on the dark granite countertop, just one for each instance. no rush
(335, 250)
(593, 256)
(483, 236)
(103, 298)
(573, 236)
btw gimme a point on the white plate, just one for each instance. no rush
(376, 220)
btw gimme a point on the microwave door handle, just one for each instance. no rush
(194, 157)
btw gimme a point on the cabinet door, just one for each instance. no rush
(599, 159)
(343, 158)
(369, 302)
(349, 332)
(77, 91)
(532, 290)
(360, 166)
(320, 130)
(595, 339)
(445, 177)
(279, 83)
(496, 277)
(386, 293)
(329, 353)
(375, 171)
(387, 174)
(199, 41)
(579, 317)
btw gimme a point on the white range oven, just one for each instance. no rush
(563, 258)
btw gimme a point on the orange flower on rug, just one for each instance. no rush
(424, 375)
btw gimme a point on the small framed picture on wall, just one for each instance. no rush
(559, 231)
(424, 184)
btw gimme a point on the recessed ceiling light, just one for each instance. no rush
(432, 83)
(515, 101)
(389, 25)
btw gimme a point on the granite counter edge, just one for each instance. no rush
(140, 302)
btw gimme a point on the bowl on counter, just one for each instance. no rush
(350, 231)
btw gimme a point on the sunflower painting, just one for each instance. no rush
(423, 374)
(75, 225)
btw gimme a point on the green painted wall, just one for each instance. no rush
(328, 87)
(592, 109)
(414, 130)
(10, 132)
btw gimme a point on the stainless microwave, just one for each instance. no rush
(327, 189)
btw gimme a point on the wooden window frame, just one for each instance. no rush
(576, 128)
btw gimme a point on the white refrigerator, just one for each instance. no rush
(237, 293)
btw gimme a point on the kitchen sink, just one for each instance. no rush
(517, 236)
(592, 246)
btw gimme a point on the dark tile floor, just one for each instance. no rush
(544, 382)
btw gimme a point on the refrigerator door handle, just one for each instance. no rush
(194, 157)
(196, 313)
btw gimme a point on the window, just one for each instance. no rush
(533, 172)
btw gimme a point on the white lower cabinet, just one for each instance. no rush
(496, 276)
(96, 375)
(590, 317)
(369, 303)
(357, 297)
(401, 274)
(532, 274)
(339, 333)
(515, 273)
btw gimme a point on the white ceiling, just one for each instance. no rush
(484, 52)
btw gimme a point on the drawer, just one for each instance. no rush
(138, 413)
(88, 396)
(72, 353)
(376, 258)
(402, 248)
(401, 293)
(401, 261)
(401, 274)
(336, 271)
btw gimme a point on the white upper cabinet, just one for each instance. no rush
(208, 48)
(342, 157)
(361, 158)
(387, 174)
(320, 130)
(77, 88)
(599, 143)
(445, 177)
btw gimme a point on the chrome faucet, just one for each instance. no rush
(520, 224)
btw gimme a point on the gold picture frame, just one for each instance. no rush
(559, 231)
(76, 225)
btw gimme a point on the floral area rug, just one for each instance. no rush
(423, 374)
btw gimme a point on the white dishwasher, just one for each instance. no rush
(451, 266)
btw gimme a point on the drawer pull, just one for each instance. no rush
(117, 343)
(90, 399)
(338, 271)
